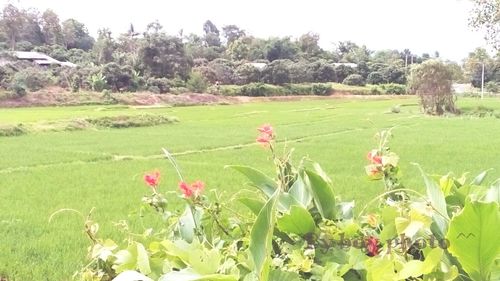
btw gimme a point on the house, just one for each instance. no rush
(40, 59)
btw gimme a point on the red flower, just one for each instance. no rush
(193, 190)
(373, 157)
(197, 187)
(264, 139)
(266, 129)
(152, 178)
(266, 134)
(372, 246)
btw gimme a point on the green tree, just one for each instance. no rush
(76, 35)
(104, 47)
(309, 44)
(232, 32)
(11, 24)
(485, 16)
(197, 83)
(51, 27)
(280, 49)
(431, 81)
(163, 56)
(212, 34)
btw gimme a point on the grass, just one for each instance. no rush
(43, 172)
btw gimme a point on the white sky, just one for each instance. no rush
(419, 25)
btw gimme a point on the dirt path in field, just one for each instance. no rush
(59, 97)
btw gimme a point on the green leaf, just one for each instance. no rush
(279, 275)
(188, 222)
(379, 269)
(142, 259)
(190, 275)
(300, 192)
(298, 221)
(261, 237)
(416, 268)
(323, 195)
(389, 231)
(437, 199)
(258, 179)
(254, 204)
(473, 237)
(480, 178)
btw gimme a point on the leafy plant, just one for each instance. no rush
(303, 230)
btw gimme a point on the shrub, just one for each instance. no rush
(354, 80)
(197, 83)
(12, 130)
(394, 89)
(97, 82)
(125, 121)
(431, 81)
(493, 87)
(375, 78)
(179, 90)
(32, 78)
(322, 89)
(17, 89)
(298, 228)
(118, 78)
(158, 85)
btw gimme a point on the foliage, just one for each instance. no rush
(302, 229)
(485, 16)
(197, 83)
(354, 80)
(31, 78)
(431, 81)
(159, 85)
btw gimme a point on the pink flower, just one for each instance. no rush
(266, 134)
(152, 179)
(193, 190)
(197, 187)
(264, 139)
(372, 246)
(374, 157)
(266, 129)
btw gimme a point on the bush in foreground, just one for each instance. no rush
(302, 230)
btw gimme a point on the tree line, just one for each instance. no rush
(159, 62)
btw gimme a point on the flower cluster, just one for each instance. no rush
(152, 179)
(266, 135)
(191, 190)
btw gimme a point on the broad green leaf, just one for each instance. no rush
(187, 225)
(126, 259)
(300, 192)
(378, 269)
(261, 237)
(286, 201)
(279, 275)
(473, 237)
(298, 221)
(389, 231)
(437, 199)
(410, 226)
(131, 275)
(142, 259)
(190, 275)
(492, 194)
(254, 204)
(331, 273)
(258, 179)
(323, 195)
(480, 178)
(345, 210)
(416, 268)
(205, 261)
